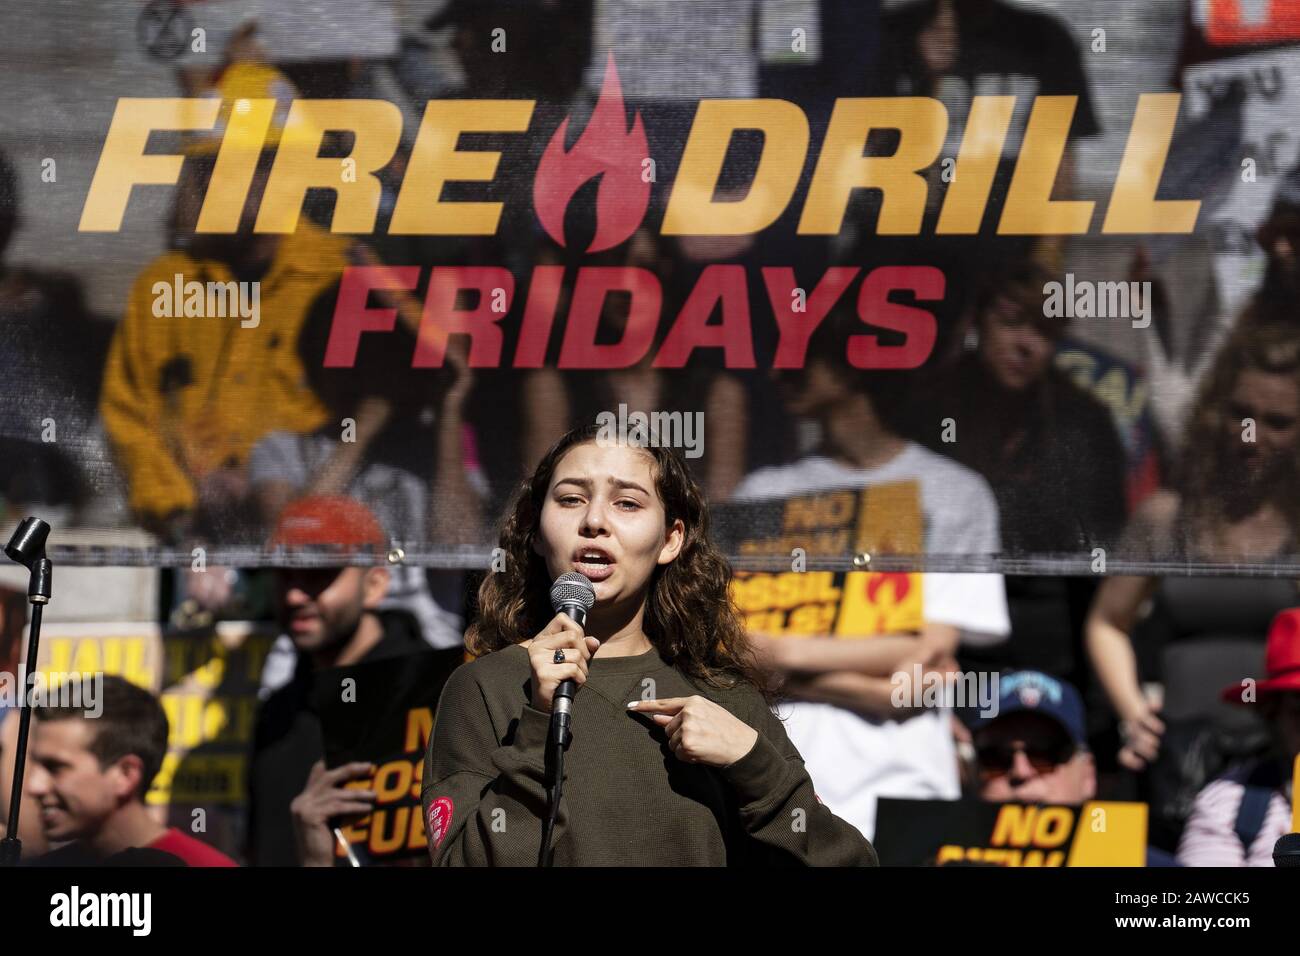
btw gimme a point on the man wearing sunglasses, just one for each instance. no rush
(1034, 750)
(333, 619)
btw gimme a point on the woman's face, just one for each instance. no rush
(1272, 401)
(1014, 351)
(602, 517)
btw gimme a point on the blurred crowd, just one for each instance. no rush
(1028, 434)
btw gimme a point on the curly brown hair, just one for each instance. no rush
(1260, 342)
(690, 616)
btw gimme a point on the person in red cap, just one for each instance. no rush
(331, 614)
(1238, 817)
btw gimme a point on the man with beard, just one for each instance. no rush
(332, 616)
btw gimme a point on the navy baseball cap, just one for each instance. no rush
(1037, 692)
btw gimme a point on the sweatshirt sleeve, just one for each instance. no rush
(484, 797)
(784, 822)
(132, 409)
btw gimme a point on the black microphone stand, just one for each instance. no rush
(557, 742)
(27, 547)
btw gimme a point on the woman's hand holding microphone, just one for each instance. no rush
(698, 730)
(562, 635)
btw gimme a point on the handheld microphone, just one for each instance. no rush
(1286, 851)
(571, 594)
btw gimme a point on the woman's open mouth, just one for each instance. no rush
(594, 563)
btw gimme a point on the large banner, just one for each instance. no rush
(1042, 257)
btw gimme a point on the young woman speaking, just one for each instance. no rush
(675, 757)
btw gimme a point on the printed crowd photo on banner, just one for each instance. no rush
(650, 434)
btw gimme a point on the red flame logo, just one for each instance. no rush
(607, 149)
(900, 583)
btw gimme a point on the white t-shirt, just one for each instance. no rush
(852, 759)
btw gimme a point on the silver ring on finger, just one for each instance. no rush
(558, 657)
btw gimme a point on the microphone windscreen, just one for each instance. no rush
(1286, 851)
(572, 588)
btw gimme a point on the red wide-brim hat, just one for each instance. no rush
(1281, 660)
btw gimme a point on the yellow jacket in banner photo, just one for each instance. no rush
(184, 395)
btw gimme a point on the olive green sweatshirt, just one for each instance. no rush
(627, 799)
